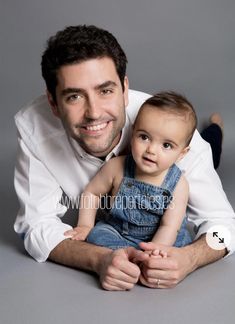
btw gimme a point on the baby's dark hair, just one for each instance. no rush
(176, 104)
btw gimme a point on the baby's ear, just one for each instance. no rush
(183, 153)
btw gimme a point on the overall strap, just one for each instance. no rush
(129, 167)
(171, 179)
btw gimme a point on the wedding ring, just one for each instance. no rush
(158, 282)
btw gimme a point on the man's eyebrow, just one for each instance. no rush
(71, 90)
(106, 84)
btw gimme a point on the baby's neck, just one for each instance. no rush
(154, 179)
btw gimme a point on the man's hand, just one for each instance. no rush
(165, 272)
(78, 233)
(117, 270)
(168, 272)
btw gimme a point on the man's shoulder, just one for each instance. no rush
(36, 120)
(136, 99)
(198, 157)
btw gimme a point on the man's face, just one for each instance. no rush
(91, 104)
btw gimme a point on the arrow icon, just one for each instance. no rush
(221, 240)
(218, 237)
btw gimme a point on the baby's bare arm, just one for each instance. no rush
(174, 215)
(102, 183)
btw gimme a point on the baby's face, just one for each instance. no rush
(158, 140)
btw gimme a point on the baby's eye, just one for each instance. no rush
(144, 137)
(167, 146)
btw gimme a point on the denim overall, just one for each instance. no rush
(137, 211)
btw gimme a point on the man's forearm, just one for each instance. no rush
(201, 254)
(79, 254)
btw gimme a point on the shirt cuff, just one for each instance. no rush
(231, 244)
(41, 240)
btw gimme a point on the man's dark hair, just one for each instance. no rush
(77, 44)
(174, 103)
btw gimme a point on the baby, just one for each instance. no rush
(148, 191)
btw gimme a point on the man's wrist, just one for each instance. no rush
(199, 253)
(102, 256)
(80, 255)
(191, 257)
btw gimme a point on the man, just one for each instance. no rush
(60, 149)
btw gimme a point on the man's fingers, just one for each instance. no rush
(137, 255)
(156, 283)
(161, 263)
(110, 284)
(120, 273)
(150, 246)
(121, 263)
(159, 274)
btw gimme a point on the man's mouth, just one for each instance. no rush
(93, 130)
(96, 127)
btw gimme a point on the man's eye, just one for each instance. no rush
(73, 98)
(167, 146)
(144, 137)
(106, 91)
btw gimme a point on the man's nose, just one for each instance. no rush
(92, 109)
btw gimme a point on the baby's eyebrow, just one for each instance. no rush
(171, 142)
(142, 131)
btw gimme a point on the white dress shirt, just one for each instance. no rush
(49, 162)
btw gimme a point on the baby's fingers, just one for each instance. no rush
(70, 233)
(78, 237)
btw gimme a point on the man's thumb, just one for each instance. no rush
(136, 255)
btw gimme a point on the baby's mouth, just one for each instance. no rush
(149, 160)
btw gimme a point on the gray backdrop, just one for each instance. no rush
(185, 45)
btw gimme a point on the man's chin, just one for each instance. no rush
(100, 152)
(98, 146)
(96, 150)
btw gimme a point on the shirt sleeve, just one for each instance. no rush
(38, 221)
(208, 204)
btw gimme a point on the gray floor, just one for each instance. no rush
(47, 293)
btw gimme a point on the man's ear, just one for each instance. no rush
(53, 105)
(183, 152)
(126, 88)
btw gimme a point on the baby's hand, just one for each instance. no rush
(158, 254)
(78, 233)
